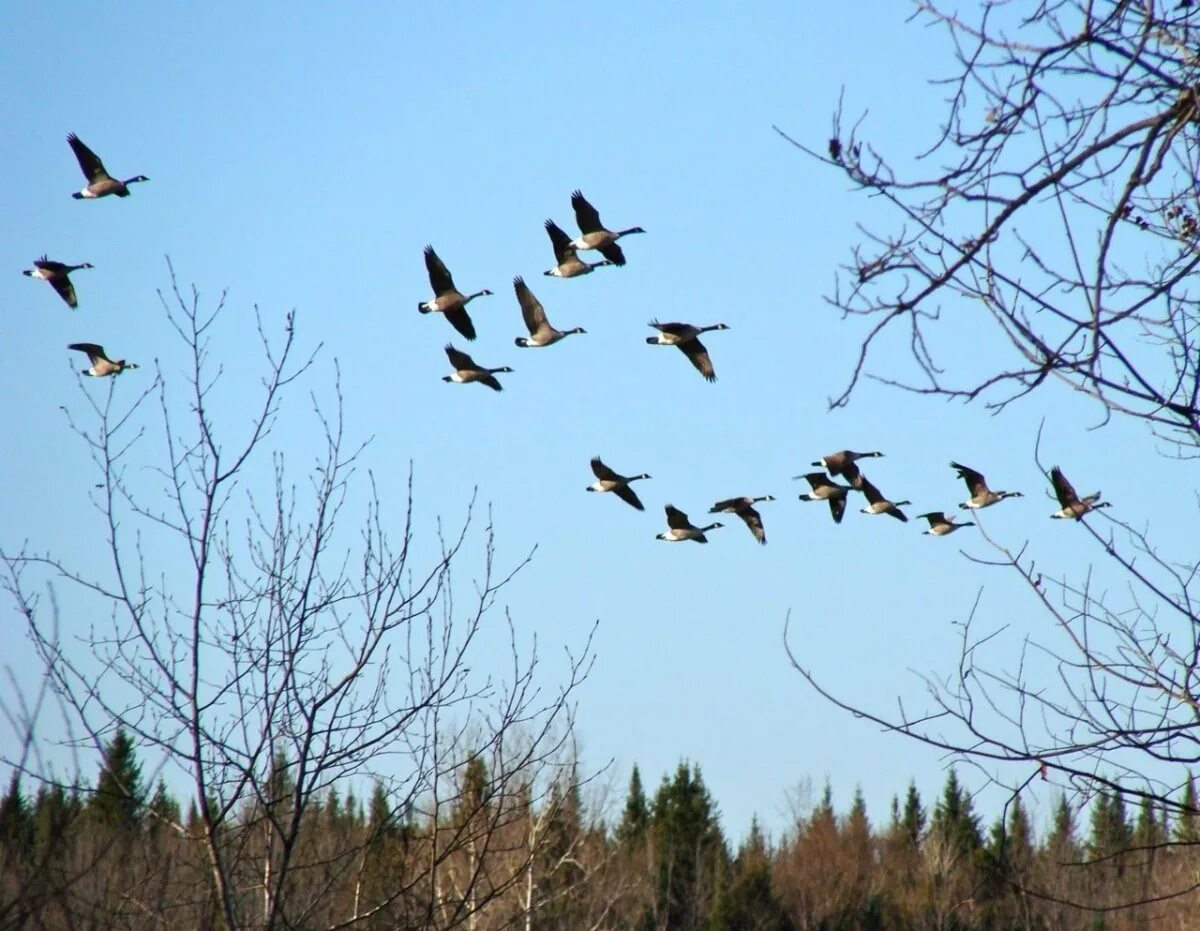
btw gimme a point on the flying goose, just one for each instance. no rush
(940, 524)
(981, 495)
(541, 333)
(465, 370)
(877, 503)
(568, 264)
(102, 365)
(100, 182)
(1072, 504)
(842, 463)
(56, 273)
(744, 508)
(592, 233)
(608, 480)
(686, 337)
(682, 529)
(825, 490)
(448, 300)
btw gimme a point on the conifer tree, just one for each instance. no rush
(1110, 831)
(954, 818)
(16, 821)
(1187, 824)
(119, 796)
(912, 822)
(636, 815)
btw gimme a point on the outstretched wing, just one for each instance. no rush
(754, 521)
(629, 496)
(1063, 488)
(460, 360)
(975, 480)
(94, 351)
(868, 488)
(560, 241)
(89, 162)
(676, 519)
(487, 378)
(837, 507)
(585, 214)
(66, 290)
(531, 308)
(613, 253)
(603, 472)
(439, 275)
(698, 356)
(461, 321)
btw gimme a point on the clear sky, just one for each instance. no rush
(303, 155)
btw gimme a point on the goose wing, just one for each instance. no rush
(89, 161)
(698, 356)
(935, 518)
(487, 378)
(613, 253)
(460, 360)
(867, 488)
(676, 519)
(560, 241)
(754, 521)
(603, 472)
(439, 276)
(629, 496)
(94, 351)
(531, 308)
(729, 504)
(837, 507)
(461, 321)
(585, 214)
(1063, 488)
(62, 284)
(976, 483)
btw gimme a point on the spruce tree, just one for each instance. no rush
(16, 821)
(954, 818)
(912, 822)
(1187, 824)
(119, 797)
(1110, 831)
(636, 815)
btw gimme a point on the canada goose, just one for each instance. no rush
(877, 503)
(448, 300)
(593, 235)
(682, 529)
(102, 365)
(744, 508)
(842, 463)
(608, 480)
(1072, 504)
(686, 337)
(940, 524)
(56, 273)
(100, 182)
(568, 264)
(981, 495)
(825, 490)
(465, 370)
(541, 333)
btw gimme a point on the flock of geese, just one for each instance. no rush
(593, 236)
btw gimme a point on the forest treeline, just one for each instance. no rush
(123, 854)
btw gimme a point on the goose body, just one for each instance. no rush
(608, 480)
(877, 503)
(685, 336)
(825, 490)
(466, 371)
(567, 263)
(744, 508)
(101, 364)
(541, 333)
(57, 274)
(940, 524)
(679, 528)
(981, 495)
(594, 235)
(843, 463)
(1072, 505)
(99, 182)
(448, 300)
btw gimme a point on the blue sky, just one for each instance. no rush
(302, 156)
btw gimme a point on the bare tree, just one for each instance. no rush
(266, 654)
(1056, 209)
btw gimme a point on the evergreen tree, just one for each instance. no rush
(954, 819)
(380, 822)
(474, 791)
(1110, 828)
(54, 810)
(119, 796)
(1187, 824)
(1011, 844)
(912, 822)
(636, 816)
(16, 821)
(746, 899)
(164, 810)
(1148, 832)
(689, 851)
